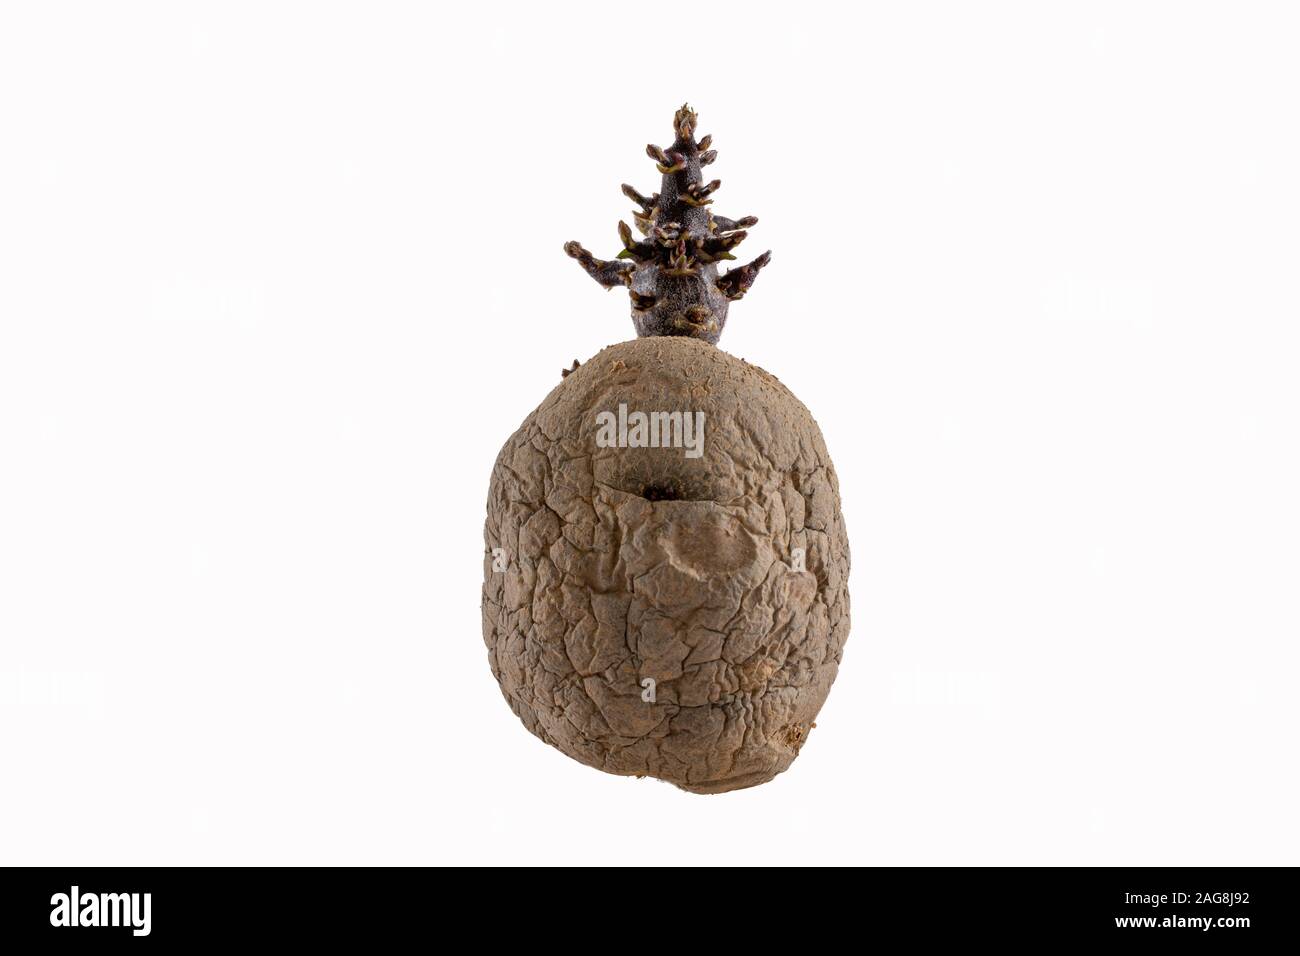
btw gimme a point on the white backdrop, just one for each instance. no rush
(277, 281)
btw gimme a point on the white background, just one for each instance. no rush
(278, 280)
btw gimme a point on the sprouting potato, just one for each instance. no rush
(666, 564)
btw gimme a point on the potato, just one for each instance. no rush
(666, 567)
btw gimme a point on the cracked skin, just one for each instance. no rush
(633, 563)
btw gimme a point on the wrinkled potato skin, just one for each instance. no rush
(603, 588)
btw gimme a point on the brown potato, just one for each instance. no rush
(677, 611)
